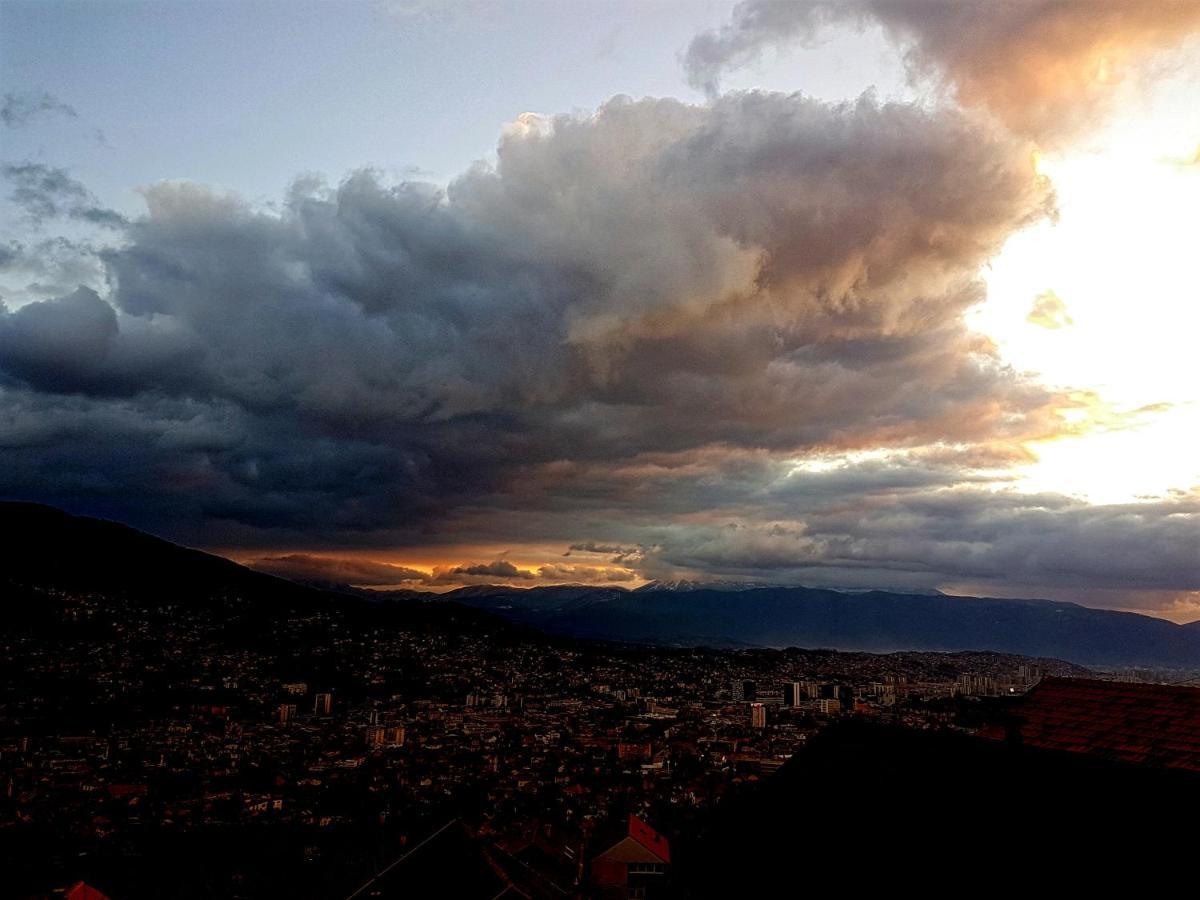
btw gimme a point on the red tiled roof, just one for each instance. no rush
(1145, 724)
(81, 890)
(649, 838)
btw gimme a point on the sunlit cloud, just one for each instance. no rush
(762, 337)
(1049, 311)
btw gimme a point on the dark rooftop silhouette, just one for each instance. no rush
(1145, 724)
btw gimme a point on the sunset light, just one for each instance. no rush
(598, 449)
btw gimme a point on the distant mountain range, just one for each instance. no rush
(727, 615)
(689, 585)
(49, 549)
(683, 584)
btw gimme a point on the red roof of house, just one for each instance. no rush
(1144, 724)
(649, 838)
(81, 890)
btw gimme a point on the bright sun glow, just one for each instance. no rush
(1121, 261)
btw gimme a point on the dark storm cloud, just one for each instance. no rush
(617, 555)
(593, 547)
(45, 193)
(1046, 68)
(504, 572)
(51, 344)
(770, 272)
(500, 569)
(22, 107)
(638, 317)
(78, 343)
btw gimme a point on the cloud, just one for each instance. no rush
(327, 570)
(56, 265)
(930, 518)
(500, 570)
(917, 521)
(53, 343)
(22, 107)
(462, 347)
(998, 541)
(79, 343)
(339, 571)
(767, 272)
(618, 555)
(1046, 68)
(637, 327)
(45, 193)
(1049, 311)
(754, 27)
(558, 573)
(593, 547)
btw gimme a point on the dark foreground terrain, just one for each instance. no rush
(886, 808)
(173, 725)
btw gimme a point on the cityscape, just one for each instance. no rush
(141, 721)
(598, 449)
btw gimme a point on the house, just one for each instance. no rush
(81, 890)
(635, 866)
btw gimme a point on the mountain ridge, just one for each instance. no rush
(49, 548)
(870, 621)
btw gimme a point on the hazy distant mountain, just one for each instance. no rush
(48, 549)
(682, 584)
(876, 621)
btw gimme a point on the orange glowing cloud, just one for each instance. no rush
(1045, 68)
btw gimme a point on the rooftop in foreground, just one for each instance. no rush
(1142, 724)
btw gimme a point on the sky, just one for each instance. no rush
(869, 293)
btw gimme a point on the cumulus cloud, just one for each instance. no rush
(497, 571)
(1046, 68)
(647, 315)
(767, 272)
(51, 344)
(336, 571)
(78, 343)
